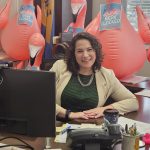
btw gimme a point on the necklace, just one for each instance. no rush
(87, 84)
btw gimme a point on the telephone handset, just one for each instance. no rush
(92, 138)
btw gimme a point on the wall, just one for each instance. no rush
(145, 70)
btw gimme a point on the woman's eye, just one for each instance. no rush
(79, 51)
(90, 49)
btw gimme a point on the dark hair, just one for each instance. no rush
(72, 64)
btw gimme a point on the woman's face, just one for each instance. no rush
(85, 55)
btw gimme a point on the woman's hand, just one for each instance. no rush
(96, 112)
(78, 115)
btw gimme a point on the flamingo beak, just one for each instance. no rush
(76, 7)
(34, 50)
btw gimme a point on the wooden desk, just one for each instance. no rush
(142, 115)
(138, 86)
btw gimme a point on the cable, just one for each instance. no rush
(116, 143)
(26, 145)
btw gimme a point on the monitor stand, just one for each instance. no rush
(48, 144)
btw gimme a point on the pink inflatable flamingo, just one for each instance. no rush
(4, 15)
(79, 8)
(124, 50)
(17, 32)
(143, 25)
(148, 54)
(93, 27)
(36, 44)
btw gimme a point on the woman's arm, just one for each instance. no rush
(125, 101)
(61, 112)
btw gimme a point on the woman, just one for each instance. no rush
(83, 85)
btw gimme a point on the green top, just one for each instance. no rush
(76, 98)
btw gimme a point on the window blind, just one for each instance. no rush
(131, 12)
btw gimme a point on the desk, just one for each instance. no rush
(138, 86)
(142, 115)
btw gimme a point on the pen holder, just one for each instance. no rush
(130, 142)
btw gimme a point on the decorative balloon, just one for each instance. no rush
(36, 44)
(17, 32)
(148, 54)
(4, 15)
(93, 26)
(143, 25)
(79, 8)
(124, 50)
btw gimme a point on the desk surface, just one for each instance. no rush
(142, 115)
(138, 86)
(143, 112)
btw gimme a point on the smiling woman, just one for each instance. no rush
(83, 85)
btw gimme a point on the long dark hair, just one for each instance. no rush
(72, 64)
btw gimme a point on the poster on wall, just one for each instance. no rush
(110, 16)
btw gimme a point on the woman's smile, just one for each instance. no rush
(85, 54)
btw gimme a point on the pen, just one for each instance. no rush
(65, 129)
(126, 128)
(133, 130)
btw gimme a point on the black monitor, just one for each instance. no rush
(27, 102)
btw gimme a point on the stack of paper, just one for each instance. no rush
(144, 92)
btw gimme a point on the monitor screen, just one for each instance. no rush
(27, 102)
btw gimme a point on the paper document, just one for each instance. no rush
(78, 126)
(62, 136)
(59, 129)
(144, 92)
(134, 79)
(142, 127)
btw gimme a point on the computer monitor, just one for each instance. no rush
(27, 102)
